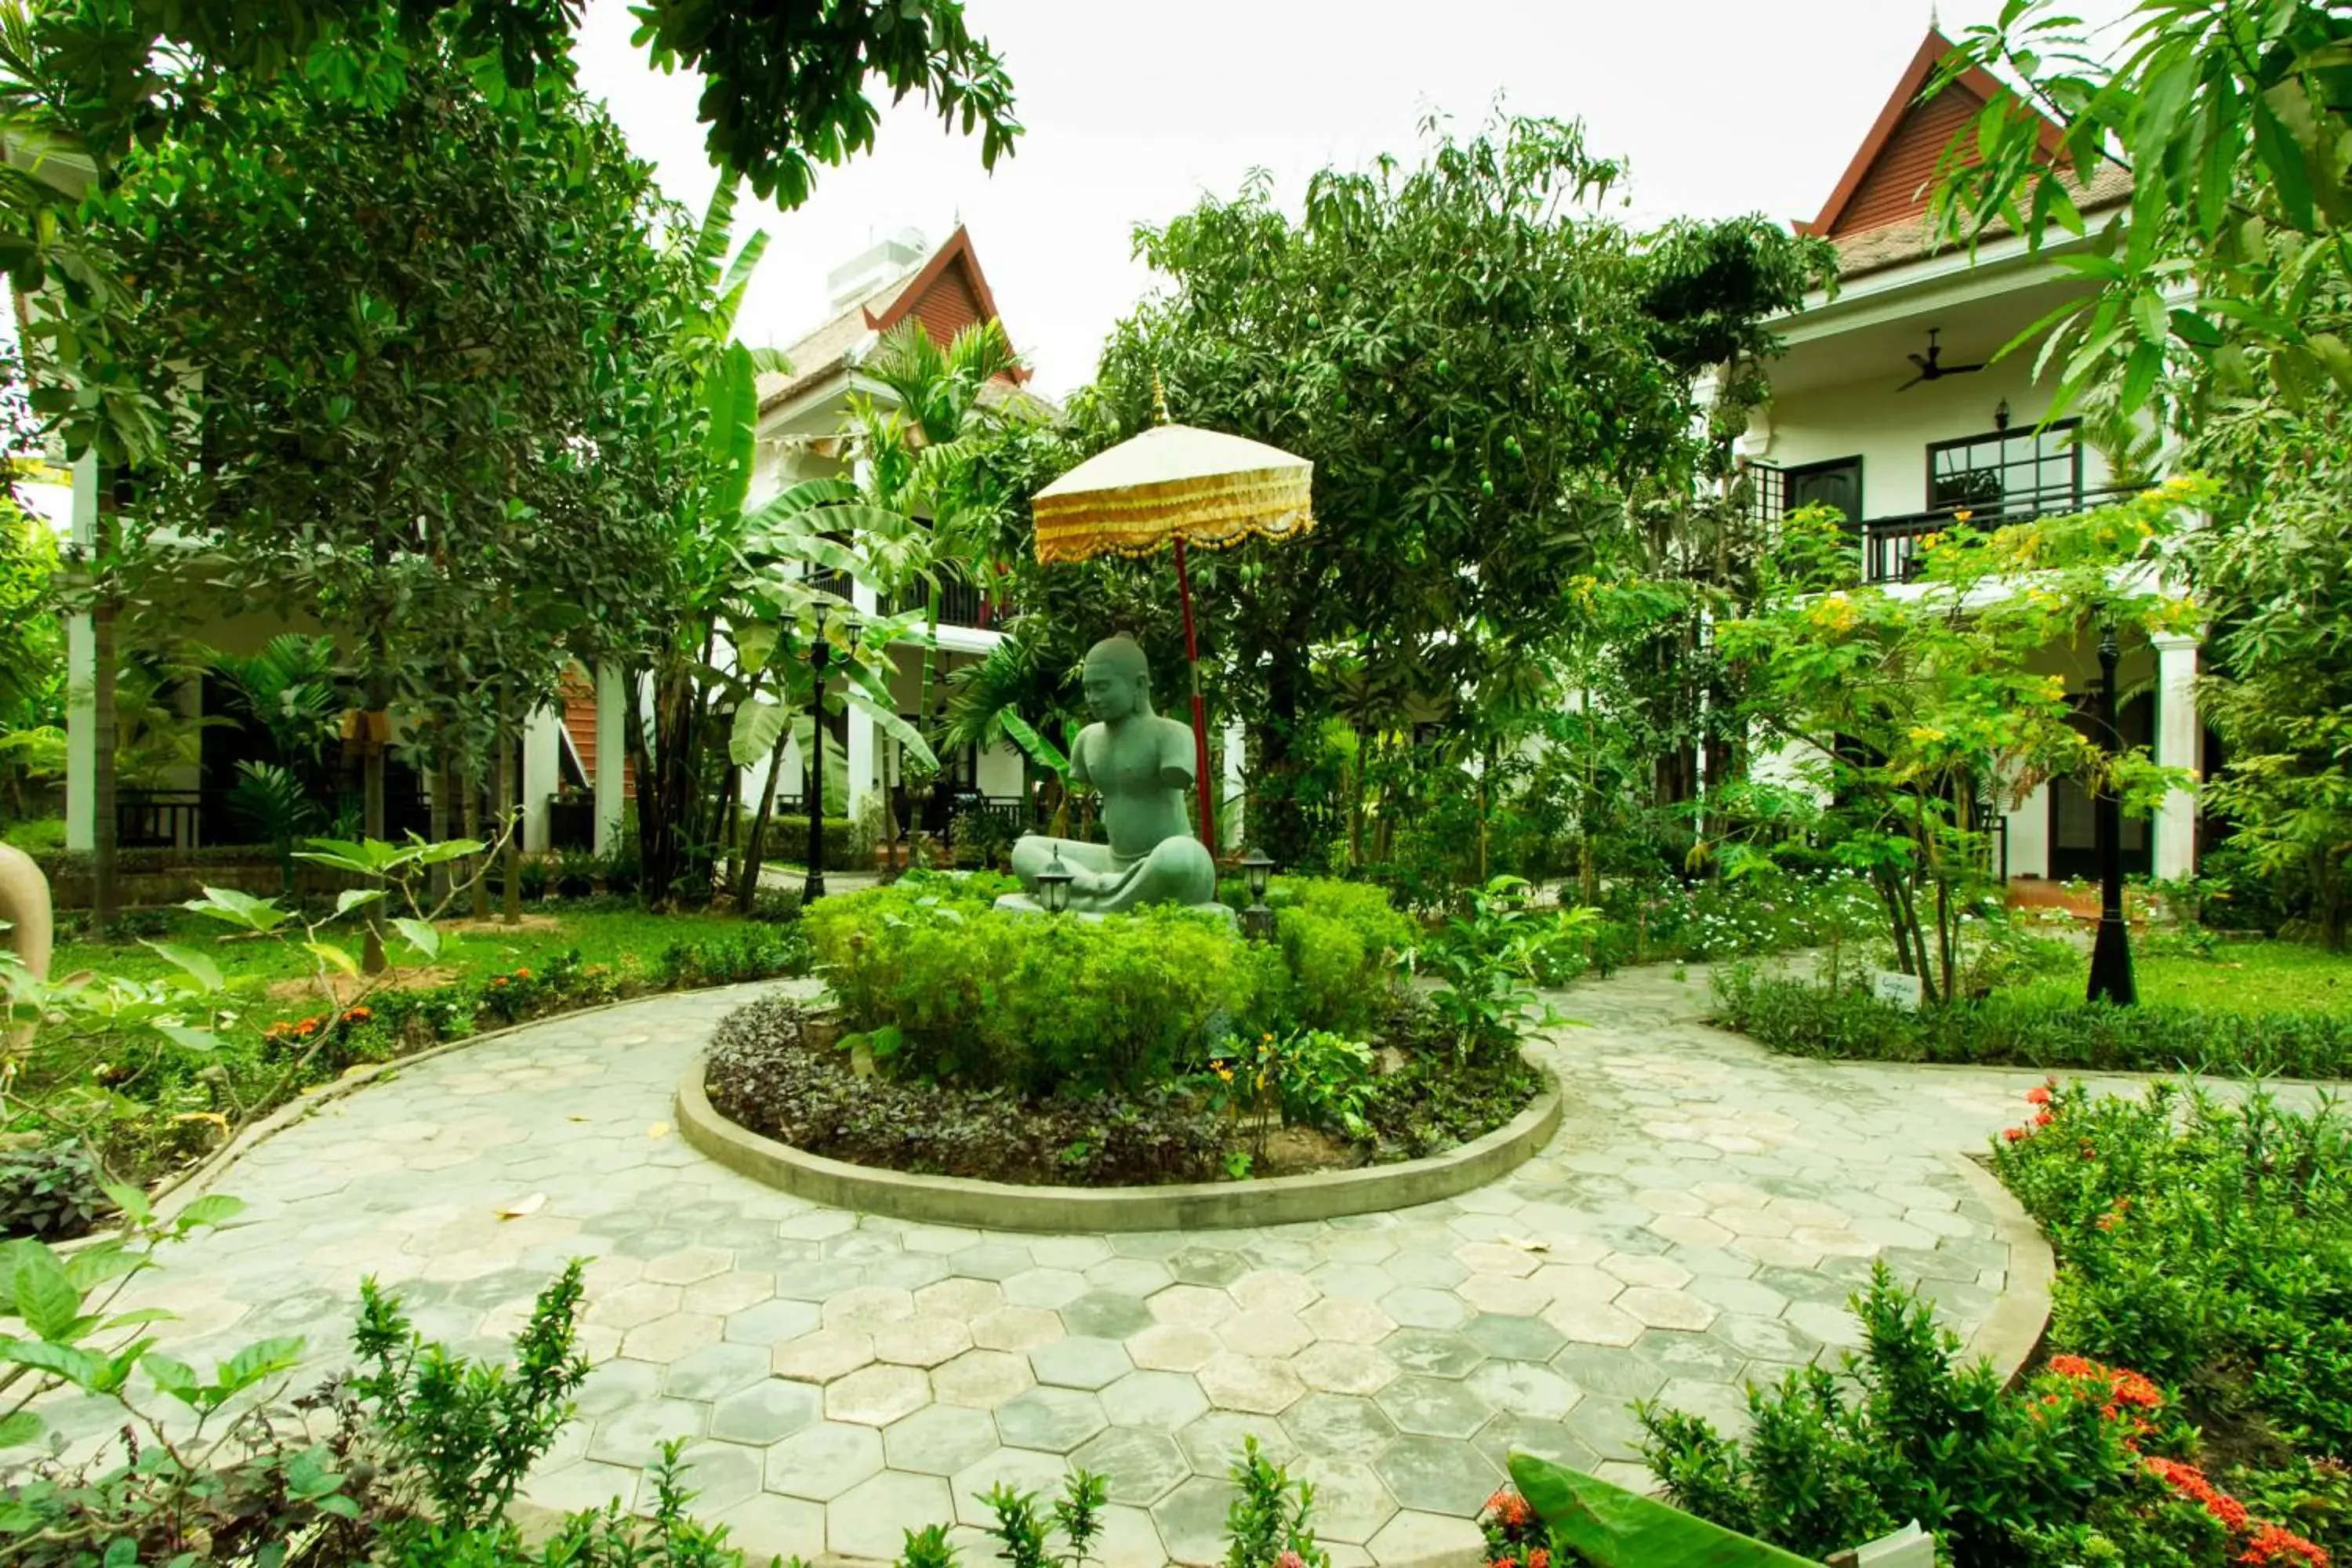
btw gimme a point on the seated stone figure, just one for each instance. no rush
(1142, 765)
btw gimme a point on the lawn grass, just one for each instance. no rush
(627, 940)
(2240, 977)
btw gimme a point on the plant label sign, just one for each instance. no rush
(1895, 990)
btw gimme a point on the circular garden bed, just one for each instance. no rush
(967, 1047)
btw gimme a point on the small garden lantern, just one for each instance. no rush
(1258, 921)
(1054, 885)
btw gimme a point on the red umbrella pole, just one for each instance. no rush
(1200, 707)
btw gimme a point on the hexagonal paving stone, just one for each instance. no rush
(725, 1295)
(1681, 1354)
(1047, 1288)
(630, 1437)
(724, 1474)
(632, 1306)
(1719, 1403)
(689, 1264)
(615, 1385)
(1433, 1269)
(1501, 1293)
(1192, 1519)
(1339, 1425)
(1200, 1266)
(824, 1461)
(1055, 1419)
(1266, 1333)
(1593, 1322)
(871, 1520)
(1664, 1308)
(1105, 1315)
(767, 1412)
(1351, 1502)
(1431, 1351)
(939, 1440)
(1640, 1268)
(1347, 1319)
(1438, 1475)
(1508, 1433)
(1142, 1466)
(1250, 1383)
(1162, 1401)
(671, 1338)
(1338, 1368)
(1498, 1258)
(1766, 1339)
(980, 1379)
(822, 1356)
(922, 1341)
(1366, 1280)
(1433, 1406)
(1173, 1347)
(768, 1526)
(1418, 1307)
(771, 1321)
(867, 1306)
(1022, 1469)
(960, 1298)
(1080, 1362)
(715, 1372)
(1017, 1328)
(998, 1260)
(1213, 1441)
(1197, 1306)
(1415, 1537)
(584, 1485)
(1273, 1291)
(876, 1395)
(1606, 1427)
(1536, 1392)
(1136, 1277)
(1513, 1338)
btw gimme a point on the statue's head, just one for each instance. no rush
(1118, 679)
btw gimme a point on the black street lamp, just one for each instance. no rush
(2111, 965)
(1258, 921)
(1054, 885)
(813, 887)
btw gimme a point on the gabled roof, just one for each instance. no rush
(1876, 216)
(946, 292)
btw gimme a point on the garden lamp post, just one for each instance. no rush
(813, 887)
(2111, 965)
(1258, 921)
(1054, 885)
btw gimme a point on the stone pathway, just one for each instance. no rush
(1698, 1222)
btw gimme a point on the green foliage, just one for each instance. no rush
(2206, 1242)
(1272, 1519)
(2032, 1029)
(2000, 1477)
(1024, 1534)
(1491, 961)
(1610, 1527)
(49, 1190)
(1341, 942)
(787, 843)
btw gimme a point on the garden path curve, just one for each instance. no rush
(1698, 1222)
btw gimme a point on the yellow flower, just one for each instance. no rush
(1960, 516)
(1924, 733)
(1226, 1074)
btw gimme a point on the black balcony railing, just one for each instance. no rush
(206, 818)
(961, 604)
(1893, 547)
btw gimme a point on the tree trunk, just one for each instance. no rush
(755, 853)
(443, 785)
(372, 753)
(478, 864)
(106, 894)
(510, 821)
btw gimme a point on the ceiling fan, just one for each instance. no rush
(1931, 365)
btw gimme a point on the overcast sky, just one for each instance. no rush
(1134, 107)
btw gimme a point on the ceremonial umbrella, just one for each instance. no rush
(1177, 486)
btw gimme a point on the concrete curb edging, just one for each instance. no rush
(1192, 1205)
(2013, 1335)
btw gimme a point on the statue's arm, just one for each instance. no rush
(1175, 756)
(1079, 757)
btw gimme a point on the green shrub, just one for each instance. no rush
(2206, 1243)
(950, 988)
(1341, 942)
(51, 1189)
(2031, 1029)
(787, 842)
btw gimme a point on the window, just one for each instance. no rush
(1836, 484)
(2014, 473)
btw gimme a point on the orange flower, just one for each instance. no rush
(498, 980)
(522, 975)
(2038, 1095)
(2014, 1133)
(2273, 1545)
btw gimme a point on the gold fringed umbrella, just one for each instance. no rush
(1177, 486)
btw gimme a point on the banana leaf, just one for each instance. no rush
(1614, 1528)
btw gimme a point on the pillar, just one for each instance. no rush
(860, 754)
(2179, 743)
(612, 755)
(1230, 811)
(81, 676)
(542, 766)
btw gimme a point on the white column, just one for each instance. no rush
(2179, 743)
(1230, 810)
(612, 755)
(543, 764)
(81, 678)
(861, 728)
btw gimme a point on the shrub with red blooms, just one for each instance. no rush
(1516, 1537)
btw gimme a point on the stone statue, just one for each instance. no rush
(1142, 765)
(25, 905)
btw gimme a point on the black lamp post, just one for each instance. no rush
(812, 888)
(1258, 921)
(2111, 965)
(1054, 885)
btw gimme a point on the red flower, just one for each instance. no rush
(1540, 1558)
(2273, 1545)
(2013, 1134)
(2041, 1119)
(2190, 1482)
(522, 975)
(1289, 1560)
(2038, 1095)
(498, 980)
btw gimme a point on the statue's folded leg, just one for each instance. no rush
(1177, 871)
(1032, 852)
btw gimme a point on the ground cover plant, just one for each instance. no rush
(135, 1059)
(1153, 1048)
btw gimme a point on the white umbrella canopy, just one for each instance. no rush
(1174, 483)
(1177, 485)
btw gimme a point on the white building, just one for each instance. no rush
(1887, 407)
